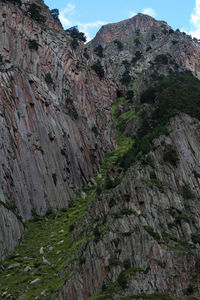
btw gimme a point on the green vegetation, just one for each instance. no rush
(161, 59)
(74, 44)
(18, 2)
(174, 94)
(148, 96)
(76, 34)
(119, 45)
(187, 193)
(55, 233)
(195, 238)
(48, 78)
(97, 67)
(138, 55)
(85, 53)
(137, 42)
(33, 44)
(155, 296)
(126, 78)
(71, 109)
(55, 14)
(154, 234)
(171, 156)
(99, 51)
(34, 12)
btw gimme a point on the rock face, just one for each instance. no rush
(11, 231)
(55, 114)
(140, 46)
(131, 233)
(150, 228)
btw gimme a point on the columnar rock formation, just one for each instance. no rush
(55, 115)
(134, 232)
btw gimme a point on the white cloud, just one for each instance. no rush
(195, 20)
(132, 13)
(68, 10)
(67, 19)
(149, 11)
(85, 27)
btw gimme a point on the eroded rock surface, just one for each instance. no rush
(149, 227)
(142, 46)
(55, 116)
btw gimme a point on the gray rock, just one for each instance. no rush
(83, 195)
(15, 265)
(45, 261)
(35, 281)
(43, 293)
(27, 269)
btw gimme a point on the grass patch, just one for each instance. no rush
(55, 233)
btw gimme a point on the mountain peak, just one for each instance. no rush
(123, 29)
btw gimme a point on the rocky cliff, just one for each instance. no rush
(145, 246)
(140, 46)
(124, 225)
(53, 108)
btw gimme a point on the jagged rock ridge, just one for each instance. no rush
(140, 46)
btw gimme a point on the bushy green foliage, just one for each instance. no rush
(112, 202)
(55, 14)
(190, 290)
(171, 156)
(161, 59)
(18, 2)
(119, 45)
(114, 261)
(34, 13)
(137, 42)
(174, 94)
(75, 33)
(74, 44)
(149, 95)
(197, 266)
(122, 280)
(33, 44)
(154, 234)
(85, 54)
(126, 78)
(187, 192)
(110, 184)
(195, 237)
(138, 55)
(129, 94)
(127, 263)
(97, 67)
(148, 48)
(48, 78)
(97, 234)
(99, 51)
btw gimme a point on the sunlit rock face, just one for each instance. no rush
(142, 46)
(55, 117)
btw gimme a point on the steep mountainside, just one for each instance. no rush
(140, 46)
(102, 170)
(53, 108)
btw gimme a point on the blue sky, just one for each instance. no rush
(90, 15)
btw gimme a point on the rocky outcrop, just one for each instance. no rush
(55, 116)
(142, 46)
(147, 241)
(11, 231)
